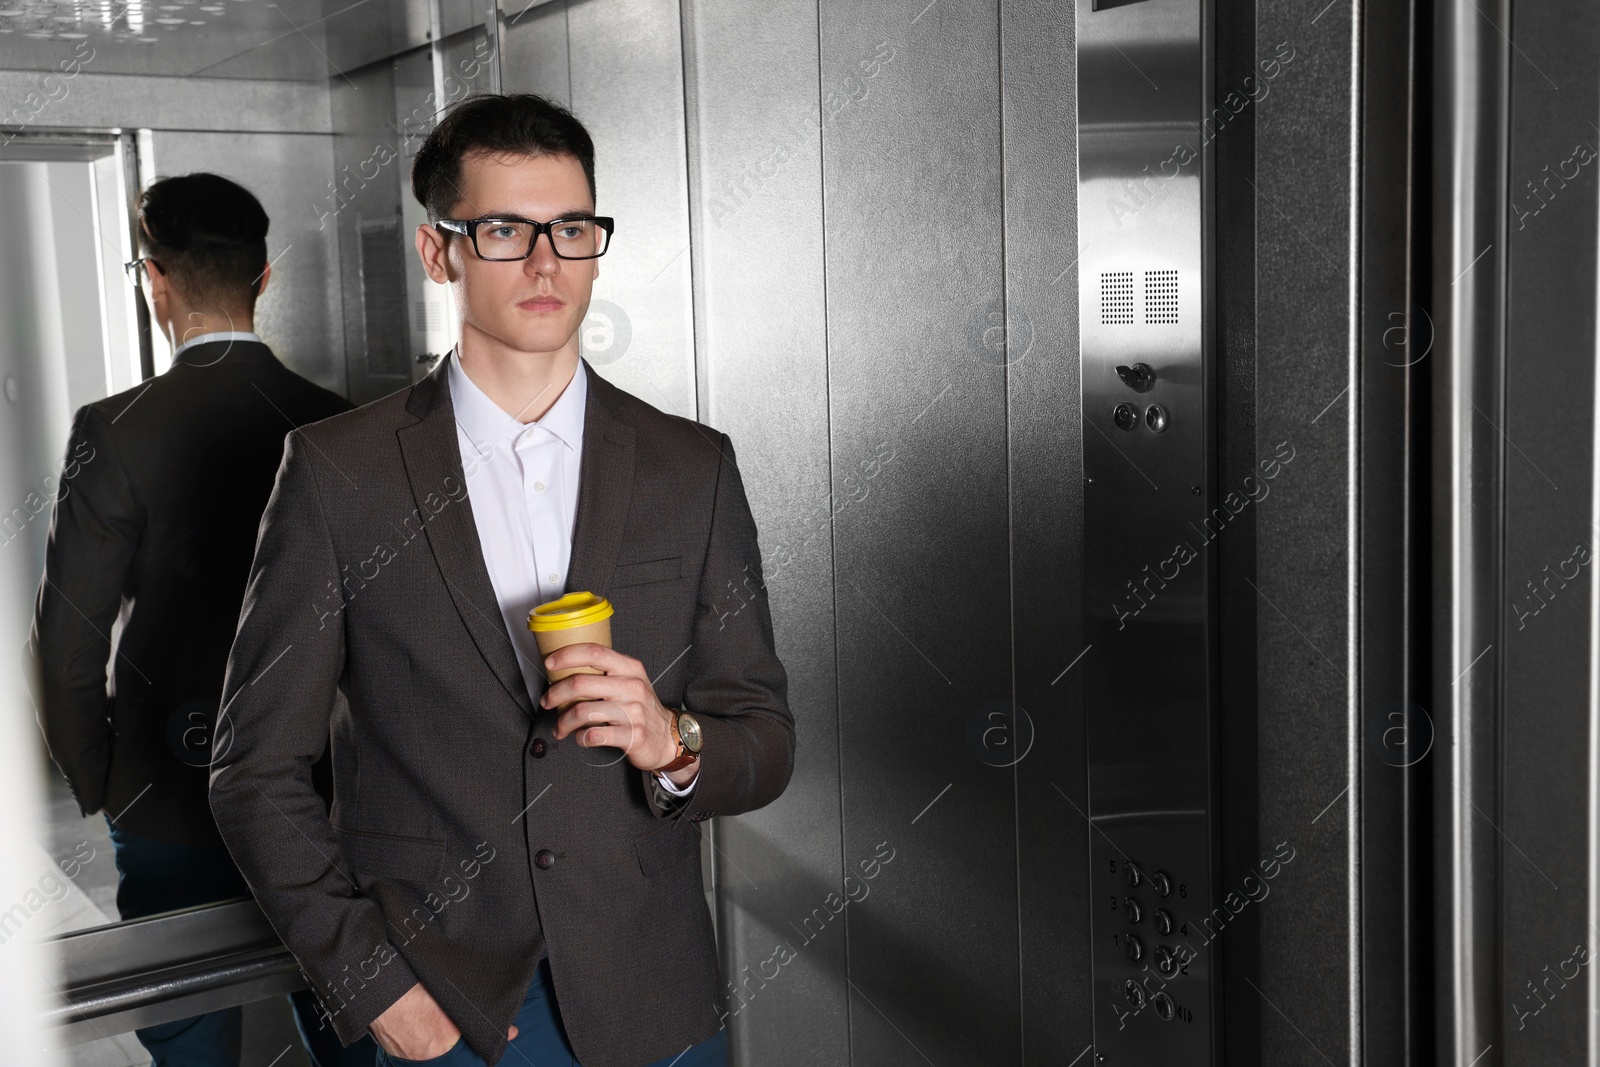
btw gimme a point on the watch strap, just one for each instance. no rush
(683, 758)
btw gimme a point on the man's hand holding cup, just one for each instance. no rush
(604, 697)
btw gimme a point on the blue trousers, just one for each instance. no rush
(156, 876)
(541, 1041)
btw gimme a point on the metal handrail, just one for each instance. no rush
(126, 975)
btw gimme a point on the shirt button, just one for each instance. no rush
(551, 576)
(538, 487)
(544, 859)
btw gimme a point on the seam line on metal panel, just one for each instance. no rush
(1352, 534)
(833, 548)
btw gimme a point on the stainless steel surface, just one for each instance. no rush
(145, 971)
(167, 998)
(624, 70)
(1038, 341)
(94, 98)
(1472, 59)
(534, 53)
(1151, 512)
(362, 207)
(303, 40)
(121, 950)
(913, 219)
(762, 349)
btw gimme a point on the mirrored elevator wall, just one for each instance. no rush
(272, 136)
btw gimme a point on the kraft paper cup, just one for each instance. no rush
(573, 619)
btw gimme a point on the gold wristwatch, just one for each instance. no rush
(685, 731)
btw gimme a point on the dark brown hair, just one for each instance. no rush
(210, 235)
(515, 123)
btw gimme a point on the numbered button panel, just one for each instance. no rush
(1152, 948)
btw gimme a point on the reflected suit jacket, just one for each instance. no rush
(464, 841)
(150, 544)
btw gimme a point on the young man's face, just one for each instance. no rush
(530, 305)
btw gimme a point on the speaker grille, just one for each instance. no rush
(1116, 298)
(1160, 296)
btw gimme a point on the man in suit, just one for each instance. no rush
(493, 870)
(149, 550)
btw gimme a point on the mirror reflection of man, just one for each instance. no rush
(501, 880)
(149, 550)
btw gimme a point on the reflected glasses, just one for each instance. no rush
(134, 267)
(502, 238)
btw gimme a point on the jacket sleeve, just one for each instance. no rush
(94, 536)
(278, 696)
(737, 689)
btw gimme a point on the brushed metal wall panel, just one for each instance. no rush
(1547, 860)
(534, 57)
(96, 99)
(627, 88)
(912, 200)
(301, 313)
(1037, 344)
(756, 208)
(1304, 553)
(372, 146)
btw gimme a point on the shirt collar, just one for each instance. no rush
(487, 424)
(218, 335)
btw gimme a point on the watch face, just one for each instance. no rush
(689, 732)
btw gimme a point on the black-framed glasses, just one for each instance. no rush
(134, 266)
(506, 237)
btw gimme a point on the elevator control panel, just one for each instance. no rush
(1149, 457)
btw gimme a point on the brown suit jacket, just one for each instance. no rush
(464, 841)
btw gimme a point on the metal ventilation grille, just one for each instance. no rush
(383, 290)
(1116, 298)
(1160, 296)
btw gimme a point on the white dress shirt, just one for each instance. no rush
(216, 335)
(522, 479)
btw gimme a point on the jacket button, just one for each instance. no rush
(544, 859)
(537, 748)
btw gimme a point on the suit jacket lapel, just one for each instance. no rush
(432, 455)
(605, 488)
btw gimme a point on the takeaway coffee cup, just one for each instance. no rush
(571, 620)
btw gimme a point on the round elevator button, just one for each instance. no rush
(1133, 946)
(1126, 416)
(1155, 417)
(1134, 992)
(1161, 883)
(538, 748)
(544, 859)
(1131, 906)
(1163, 920)
(1135, 879)
(1163, 1006)
(1166, 961)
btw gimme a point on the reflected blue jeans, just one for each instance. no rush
(540, 1039)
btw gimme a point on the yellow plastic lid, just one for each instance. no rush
(574, 609)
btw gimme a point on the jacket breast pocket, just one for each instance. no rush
(414, 859)
(649, 570)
